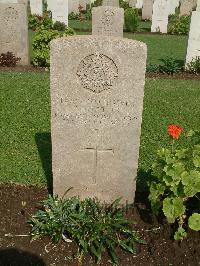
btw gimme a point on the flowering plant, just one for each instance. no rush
(176, 180)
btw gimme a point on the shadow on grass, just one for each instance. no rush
(141, 197)
(43, 141)
(13, 257)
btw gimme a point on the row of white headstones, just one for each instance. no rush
(158, 11)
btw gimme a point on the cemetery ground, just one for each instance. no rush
(26, 160)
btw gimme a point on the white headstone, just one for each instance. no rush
(73, 6)
(14, 29)
(173, 5)
(132, 3)
(36, 7)
(139, 4)
(193, 49)
(160, 16)
(147, 9)
(59, 10)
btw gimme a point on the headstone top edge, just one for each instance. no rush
(108, 7)
(96, 38)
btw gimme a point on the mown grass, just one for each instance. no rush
(159, 46)
(25, 122)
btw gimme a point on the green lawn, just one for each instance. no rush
(25, 122)
(159, 46)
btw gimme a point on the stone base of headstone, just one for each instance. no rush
(96, 113)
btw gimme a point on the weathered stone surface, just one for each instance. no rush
(193, 49)
(111, 3)
(14, 29)
(147, 10)
(139, 4)
(59, 10)
(96, 113)
(173, 5)
(73, 6)
(84, 3)
(187, 6)
(107, 20)
(132, 3)
(36, 7)
(160, 16)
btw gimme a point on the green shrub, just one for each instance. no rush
(60, 26)
(180, 27)
(152, 68)
(170, 66)
(88, 14)
(92, 226)
(8, 59)
(123, 4)
(73, 16)
(131, 19)
(36, 22)
(41, 45)
(194, 66)
(175, 181)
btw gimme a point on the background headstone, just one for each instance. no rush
(107, 20)
(59, 10)
(147, 10)
(193, 49)
(96, 105)
(14, 29)
(187, 6)
(160, 16)
(73, 6)
(110, 3)
(36, 7)
(132, 3)
(173, 5)
(139, 4)
(84, 3)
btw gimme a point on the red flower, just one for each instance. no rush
(174, 131)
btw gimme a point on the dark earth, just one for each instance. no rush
(18, 203)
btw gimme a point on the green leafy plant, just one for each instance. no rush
(73, 16)
(153, 68)
(180, 26)
(94, 227)
(194, 66)
(8, 59)
(36, 22)
(123, 4)
(170, 66)
(60, 26)
(41, 45)
(131, 19)
(176, 180)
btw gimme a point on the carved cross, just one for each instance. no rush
(96, 150)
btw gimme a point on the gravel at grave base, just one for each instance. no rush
(17, 203)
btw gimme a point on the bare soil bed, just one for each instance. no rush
(17, 203)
